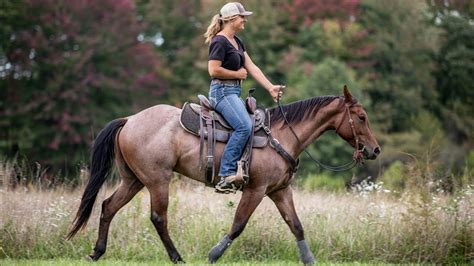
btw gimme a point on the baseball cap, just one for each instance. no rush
(233, 9)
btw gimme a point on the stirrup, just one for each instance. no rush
(241, 176)
(226, 186)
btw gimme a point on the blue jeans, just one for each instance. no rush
(226, 100)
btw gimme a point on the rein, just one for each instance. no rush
(357, 158)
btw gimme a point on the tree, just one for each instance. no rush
(307, 12)
(176, 29)
(325, 79)
(67, 67)
(404, 45)
(455, 73)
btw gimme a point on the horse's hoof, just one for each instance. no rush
(88, 258)
(179, 261)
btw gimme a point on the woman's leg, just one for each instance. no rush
(234, 112)
(226, 100)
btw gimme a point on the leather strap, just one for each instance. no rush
(275, 144)
(280, 150)
(201, 140)
(246, 158)
(206, 115)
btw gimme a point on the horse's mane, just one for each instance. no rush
(297, 111)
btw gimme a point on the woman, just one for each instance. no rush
(228, 65)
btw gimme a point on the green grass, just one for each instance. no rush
(369, 226)
(75, 262)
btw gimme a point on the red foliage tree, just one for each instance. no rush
(68, 67)
(308, 11)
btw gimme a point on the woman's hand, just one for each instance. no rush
(276, 91)
(242, 73)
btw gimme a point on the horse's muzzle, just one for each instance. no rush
(370, 154)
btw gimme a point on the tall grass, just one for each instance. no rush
(369, 225)
(418, 223)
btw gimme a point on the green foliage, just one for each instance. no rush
(323, 181)
(175, 29)
(310, 41)
(430, 129)
(403, 43)
(325, 78)
(455, 76)
(394, 177)
(470, 160)
(267, 40)
(67, 68)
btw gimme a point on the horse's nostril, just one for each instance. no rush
(377, 151)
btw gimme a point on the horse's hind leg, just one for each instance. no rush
(159, 193)
(283, 200)
(129, 186)
(251, 198)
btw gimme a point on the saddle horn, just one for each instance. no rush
(250, 102)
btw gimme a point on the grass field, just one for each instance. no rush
(70, 262)
(369, 226)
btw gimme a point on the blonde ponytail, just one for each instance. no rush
(214, 28)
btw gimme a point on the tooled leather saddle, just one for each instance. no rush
(203, 121)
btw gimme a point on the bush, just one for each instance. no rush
(324, 181)
(394, 177)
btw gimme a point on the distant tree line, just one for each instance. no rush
(67, 67)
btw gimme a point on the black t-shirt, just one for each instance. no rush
(221, 49)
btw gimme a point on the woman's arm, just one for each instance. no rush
(217, 71)
(257, 74)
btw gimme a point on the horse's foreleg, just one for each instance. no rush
(251, 198)
(124, 193)
(284, 202)
(159, 208)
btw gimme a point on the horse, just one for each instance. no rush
(149, 146)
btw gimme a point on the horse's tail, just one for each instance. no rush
(103, 152)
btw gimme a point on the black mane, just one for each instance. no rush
(297, 111)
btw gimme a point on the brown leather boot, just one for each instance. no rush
(229, 184)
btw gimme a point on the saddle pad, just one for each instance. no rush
(189, 120)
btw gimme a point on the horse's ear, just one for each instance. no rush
(347, 95)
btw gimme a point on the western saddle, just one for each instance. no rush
(203, 121)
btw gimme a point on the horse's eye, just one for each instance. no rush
(362, 118)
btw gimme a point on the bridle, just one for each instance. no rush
(356, 158)
(357, 153)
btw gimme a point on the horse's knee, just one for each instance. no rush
(159, 222)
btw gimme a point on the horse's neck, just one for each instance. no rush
(309, 129)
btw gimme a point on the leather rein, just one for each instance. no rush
(357, 157)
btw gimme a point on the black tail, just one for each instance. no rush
(103, 152)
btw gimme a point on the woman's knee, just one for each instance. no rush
(245, 128)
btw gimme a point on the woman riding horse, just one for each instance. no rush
(149, 146)
(228, 64)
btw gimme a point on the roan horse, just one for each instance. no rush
(150, 145)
